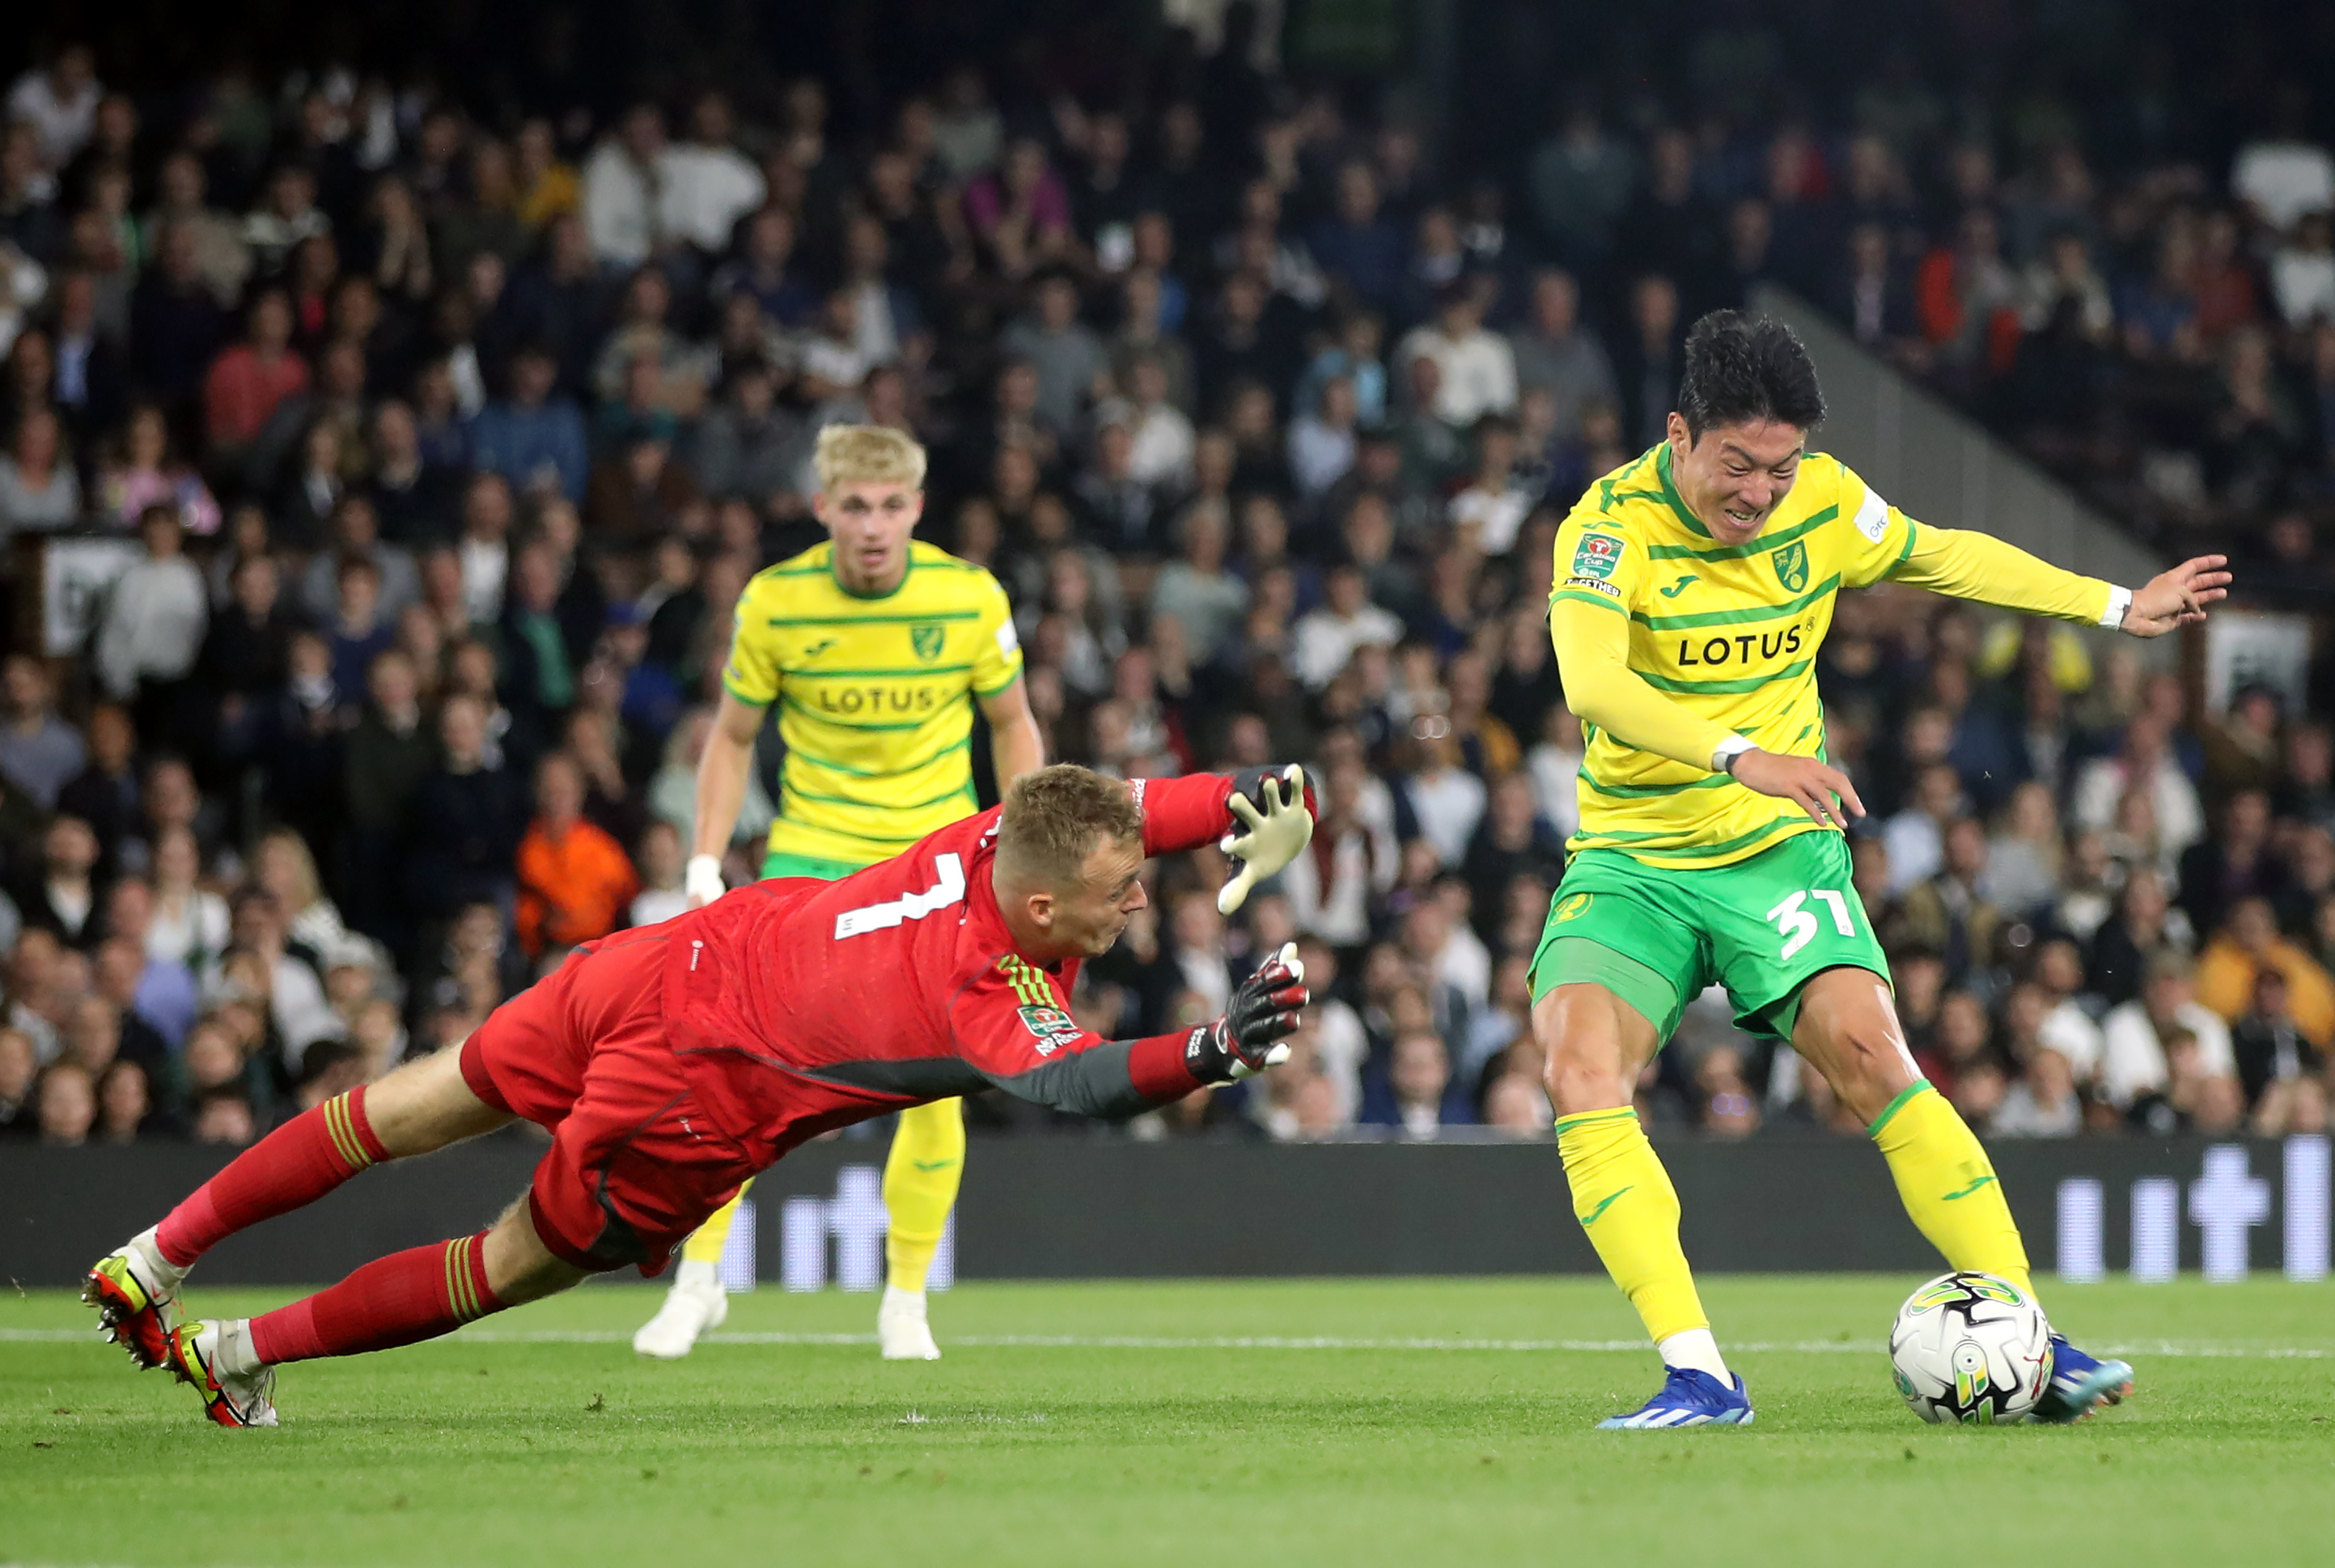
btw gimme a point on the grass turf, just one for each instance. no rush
(1452, 1420)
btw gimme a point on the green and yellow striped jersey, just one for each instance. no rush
(875, 696)
(1729, 635)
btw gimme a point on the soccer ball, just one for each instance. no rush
(1971, 1347)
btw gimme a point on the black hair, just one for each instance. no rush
(1741, 368)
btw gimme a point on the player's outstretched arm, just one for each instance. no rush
(1040, 1054)
(2176, 598)
(1979, 566)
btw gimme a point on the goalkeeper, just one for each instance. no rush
(670, 1063)
(1693, 588)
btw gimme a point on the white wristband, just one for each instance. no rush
(1734, 746)
(2119, 601)
(702, 879)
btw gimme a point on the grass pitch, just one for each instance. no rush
(1421, 1422)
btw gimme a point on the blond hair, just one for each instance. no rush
(1054, 817)
(868, 455)
(306, 887)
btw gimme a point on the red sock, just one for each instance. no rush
(416, 1294)
(292, 1167)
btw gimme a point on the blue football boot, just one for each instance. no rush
(1689, 1399)
(2080, 1383)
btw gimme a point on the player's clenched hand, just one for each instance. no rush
(2178, 597)
(1274, 829)
(1249, 1038)
(702, 880)
(1817, 788)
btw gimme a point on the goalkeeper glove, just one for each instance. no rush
(702, 880)
(1250, 1036)
(1274, 829)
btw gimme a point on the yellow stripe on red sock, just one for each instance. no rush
(345, 1143)
(448, 1263)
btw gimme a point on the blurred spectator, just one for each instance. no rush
(2024, 860)
(2043, 1102)
(19, 1096)
(622, 180)
(1356, 246)
(39, 488)
(1648, 359)
(105, 793)
(1581, 179)
(1477, 368)
(2282, 175)
(1416, 1095)
(464, 823)
(1323, 440)
(39, 752)
(224, 1117)
(705, 185)
(2143, 766)
(1948, 913)
(245, 383)
(153, 627)
(2134, 1058)
(534, 437)
(661, 896)
(61, 895)
(746, 445)
(574, 882)
(1512, 841)
(1556, 354)
(2268, 1045)
(189, 925)
(2145, 926)
(2250, 945)
(59, 103)
(1446, 799)
(67, 1097)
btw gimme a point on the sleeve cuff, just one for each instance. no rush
(1726, 751)
(2119, 601)
(752, 701)
(1155, 1067)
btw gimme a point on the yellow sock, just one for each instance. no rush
(920, 1181)
(705, 1243)
(1948, 1184)
(1623, 1198)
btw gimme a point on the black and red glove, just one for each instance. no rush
(1261, 1015)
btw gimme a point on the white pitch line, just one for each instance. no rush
(1253, 1343)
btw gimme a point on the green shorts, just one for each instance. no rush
(1656, 937)
(781, 863)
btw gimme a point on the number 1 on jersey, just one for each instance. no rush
(948, 890)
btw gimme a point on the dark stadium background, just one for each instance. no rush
(2098, 229)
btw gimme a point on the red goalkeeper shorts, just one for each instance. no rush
(635, 1163)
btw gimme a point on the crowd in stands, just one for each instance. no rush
(441, 434)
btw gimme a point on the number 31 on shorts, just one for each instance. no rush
(1798, 924)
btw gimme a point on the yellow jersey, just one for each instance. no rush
(875, 696)
(1669, 642)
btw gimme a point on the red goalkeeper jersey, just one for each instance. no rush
(798, 1005)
